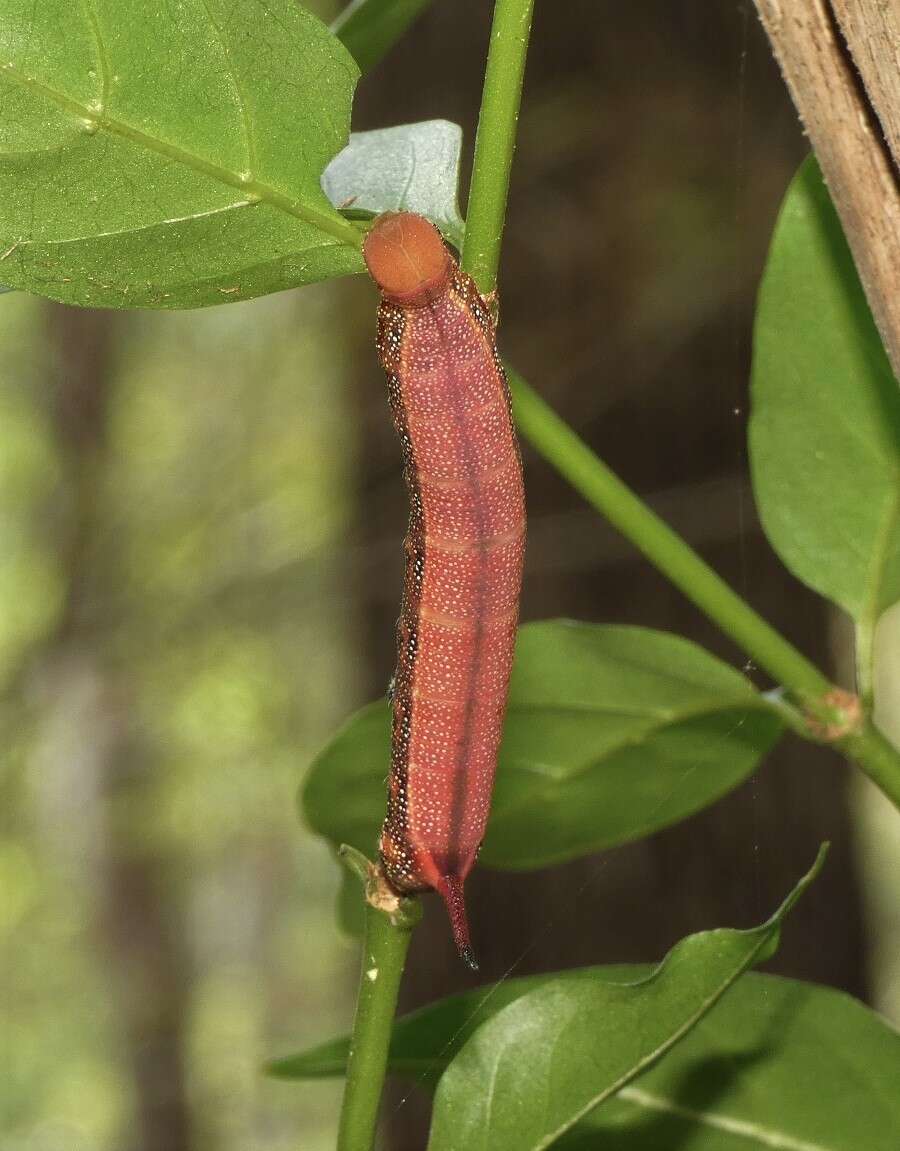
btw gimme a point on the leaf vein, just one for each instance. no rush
(652, 1056)
(249, 140)
(654, 728)
(102, 59)
(309, 214)
(764, 1136)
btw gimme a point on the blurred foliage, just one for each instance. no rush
(210, 604)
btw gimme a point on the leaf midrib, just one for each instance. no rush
(254, 189)
(651, 1057)
(760, 1134)
(660, 714)
(763, 934)
(737, 966)
(753, 702)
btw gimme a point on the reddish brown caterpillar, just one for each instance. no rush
(464, 552)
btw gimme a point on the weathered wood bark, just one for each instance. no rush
(846, 131)
(872, 31)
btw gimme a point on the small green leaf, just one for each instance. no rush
(170, 155)
(611, 733)
(825, 426)
(411, 168)
(542, 1063)
(368, 29)
(351, 905)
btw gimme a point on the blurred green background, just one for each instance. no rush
(200, 563)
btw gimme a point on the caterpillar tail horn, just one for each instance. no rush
(450, 889)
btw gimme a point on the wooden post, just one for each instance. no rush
(849, 124)
(871, 29)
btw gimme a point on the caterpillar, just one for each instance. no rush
(464, 547)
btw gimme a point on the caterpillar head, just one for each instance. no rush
(407, 259)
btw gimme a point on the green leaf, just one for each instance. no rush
(370, 28)
(542, 1063)
(773, 1060)
(170, 155)
(611, 733)
(775, 1064)
(825, 426)
(411, 168)
(424, 1042)
(344, 795)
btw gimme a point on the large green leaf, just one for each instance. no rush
(825, 426)
(588, 1027)
(411, 168)
(775, 1064)
(530, 1073)
(169, 155)
(611, 733)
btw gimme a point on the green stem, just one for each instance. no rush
(495, 141)
(369, 29)
(587, 473)
(877, 757)
(385, 942)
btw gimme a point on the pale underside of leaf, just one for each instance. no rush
(408, 168)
